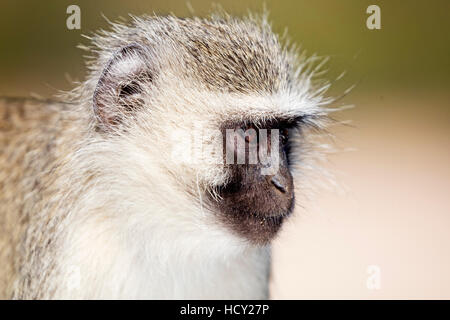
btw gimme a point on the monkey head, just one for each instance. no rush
(211, 120)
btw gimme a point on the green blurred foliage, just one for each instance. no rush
(38, 52)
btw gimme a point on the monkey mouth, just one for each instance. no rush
(258, 228)
(274, 215)
(275, 219)
(258, 224)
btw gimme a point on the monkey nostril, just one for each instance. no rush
(276, 182)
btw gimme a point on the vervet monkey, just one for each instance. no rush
(94, 203)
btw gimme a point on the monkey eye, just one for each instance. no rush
(129, 89)
(284, 135)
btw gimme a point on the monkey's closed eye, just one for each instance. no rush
(129, 89)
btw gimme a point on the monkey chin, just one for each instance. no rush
(255, 219)
(258, 229)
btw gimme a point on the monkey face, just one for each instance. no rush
(153, 100)
(260, 192)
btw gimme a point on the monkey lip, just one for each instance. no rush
(275, 217)
(273, 220)
(255, 212)
(281, 213)
(278, 215)
(257, 226)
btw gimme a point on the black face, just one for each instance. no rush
(254, 204)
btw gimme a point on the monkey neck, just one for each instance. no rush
(113, 259)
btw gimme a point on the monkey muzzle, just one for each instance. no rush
(260, 193)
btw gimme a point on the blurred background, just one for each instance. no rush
(384, 232)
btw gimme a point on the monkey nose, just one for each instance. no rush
(279, 183)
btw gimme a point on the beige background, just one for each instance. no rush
(391, 206)
(392, 209)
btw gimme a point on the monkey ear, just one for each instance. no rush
(121, 85)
